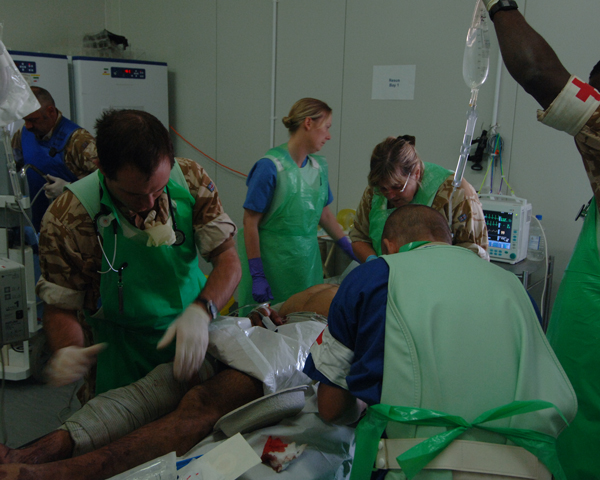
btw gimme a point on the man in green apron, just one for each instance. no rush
(401, 334)
(573, 106)
(121, 247)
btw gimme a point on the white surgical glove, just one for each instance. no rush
(54, 187)
(191, 330)
(70, 364)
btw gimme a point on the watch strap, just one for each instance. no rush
(502, 5)
(211, 308)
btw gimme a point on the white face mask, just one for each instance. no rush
(16, 98)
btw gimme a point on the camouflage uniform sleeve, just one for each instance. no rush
(588, 144)
(214, 231)
(70, 256)
(80, 153)
(360, 231)
(468, 222)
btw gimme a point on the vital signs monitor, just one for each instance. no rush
(507, 219)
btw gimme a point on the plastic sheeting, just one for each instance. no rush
(328, 455)
(275, 357)
(16, 98)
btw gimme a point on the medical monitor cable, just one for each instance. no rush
(493, 150)
(546, 269)
(210, 158)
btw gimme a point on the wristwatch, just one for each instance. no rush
(211, 308)
(502, 5)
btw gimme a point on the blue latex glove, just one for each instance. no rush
(371, 257)
(345, 244)
(261, 291)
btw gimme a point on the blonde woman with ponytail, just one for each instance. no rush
(288, 197)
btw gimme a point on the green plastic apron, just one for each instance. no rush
(433, 177)
(289, 246)
(140, 302)
(415, 370)
(574, 333)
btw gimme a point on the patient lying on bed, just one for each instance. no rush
(128, 426)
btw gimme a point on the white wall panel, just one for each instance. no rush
(310, 56)
(181, 33)
(406, 32)
(50, 27)
(244, 39)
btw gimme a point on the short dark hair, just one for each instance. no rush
(131, 137)
(412, 223)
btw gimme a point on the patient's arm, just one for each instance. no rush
(339, 406)
(256, 316)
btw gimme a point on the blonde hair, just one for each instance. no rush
(393, 160)
(302, 109)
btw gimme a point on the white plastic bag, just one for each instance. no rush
(276, 358)
(16, 98)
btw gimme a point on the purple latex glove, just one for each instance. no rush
(345, 244)
(261, 291)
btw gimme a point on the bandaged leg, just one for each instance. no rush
(115, 413)
(192, 420)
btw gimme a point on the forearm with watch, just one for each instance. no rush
(190, 329)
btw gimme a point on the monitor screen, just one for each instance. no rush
(499, 225)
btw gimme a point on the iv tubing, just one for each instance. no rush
(497, 92)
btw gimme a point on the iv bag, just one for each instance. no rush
(476, 59)
(16, 98)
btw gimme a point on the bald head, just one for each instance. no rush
(43, 96)
(43, 120)
(414, 223)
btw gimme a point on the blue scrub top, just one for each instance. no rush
(357, 318)
(261, 183)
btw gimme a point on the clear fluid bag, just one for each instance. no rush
(476, 59)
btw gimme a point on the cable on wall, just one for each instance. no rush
(207, 156)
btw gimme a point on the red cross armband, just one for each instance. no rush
(332, 358)
(572, 108)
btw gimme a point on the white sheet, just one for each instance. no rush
(328, 454)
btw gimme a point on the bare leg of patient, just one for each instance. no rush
(135, 405)
(193, 420)
(57, 445)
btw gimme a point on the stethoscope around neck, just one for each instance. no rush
(104, 218)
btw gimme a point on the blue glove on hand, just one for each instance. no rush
(345, 244)
(261, 291)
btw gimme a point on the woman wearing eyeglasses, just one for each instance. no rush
(399, 177)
